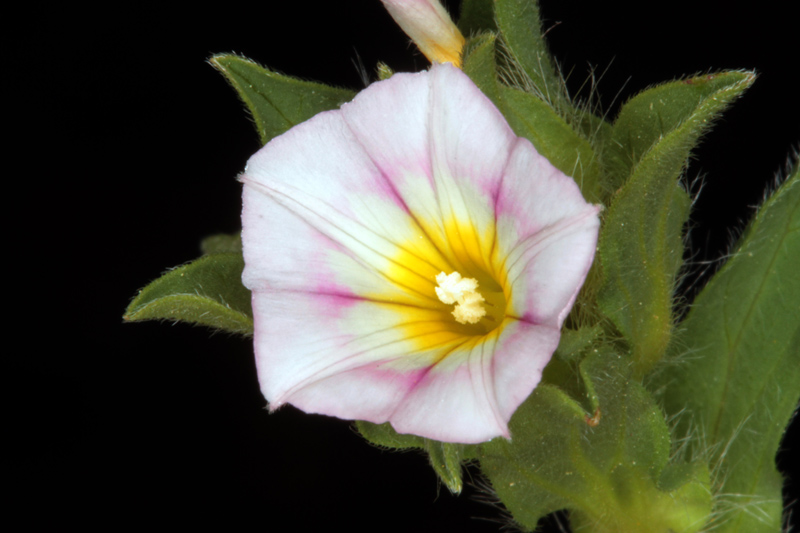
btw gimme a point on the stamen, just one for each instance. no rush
(453, 289)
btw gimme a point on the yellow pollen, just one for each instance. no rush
(453, 289)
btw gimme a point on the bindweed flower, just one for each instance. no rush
(430, 27)
(411, 260)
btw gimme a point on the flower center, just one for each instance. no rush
(453, 289)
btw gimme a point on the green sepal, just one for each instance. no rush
(385, 436)
(605, 467)
(277, 102)
(553, 138)
(222, 243)
(445, 457)
(480, 66)
(641, 243)
(477, 16)
(574, 342)
(685, 108)
(207, 291)
(521, 30)
(736, 378)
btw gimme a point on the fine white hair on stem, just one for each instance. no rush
(360, 68)
(485, 494)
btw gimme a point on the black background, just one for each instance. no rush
(126, 157)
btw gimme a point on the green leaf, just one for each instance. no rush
(597, 129)
(739, 380)
(277, 102)
(641, 243)
(641, 249)
(566, 149)
(480, 66)
(520, 27)
(605, 469)
(207, 291)
(688, 105)
(477, 16)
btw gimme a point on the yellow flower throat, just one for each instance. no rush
(455, 288)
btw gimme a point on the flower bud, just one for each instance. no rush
(430, 27)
